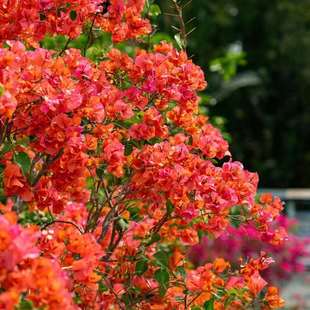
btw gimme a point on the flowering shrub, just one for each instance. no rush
(109, 175)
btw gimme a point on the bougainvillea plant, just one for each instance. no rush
(109, 174)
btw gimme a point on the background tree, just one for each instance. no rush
(267, 104)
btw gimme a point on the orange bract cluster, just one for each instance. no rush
(22, 269)
(52, 96)
(109, 174)
(31, 20)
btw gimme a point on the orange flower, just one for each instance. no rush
(15, 183)
(220, 265)
(272, 298)
(256, 283)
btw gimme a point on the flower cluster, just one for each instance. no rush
(30, 20)
(109, 174)
(23, 270)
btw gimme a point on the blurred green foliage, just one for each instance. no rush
(256, 58)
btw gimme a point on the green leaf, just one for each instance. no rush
(73, 15)
(162, 258)
(154, 10)
(180, 270)
(201, 234)
(77, 299)
(159, 37)
(123, 224)
(162, 277)
(155, 140)
(23, 160)
(179, 41)
(90, 182)
(128, 148)
(152, 239)
(1, 90)
(126, 298)
(134, 213)
(79, 42)
(48, 43)
(25, 305)
(101, 171)
(169, 206)
(102, 288)
(42, 16)
(2, 196)
(6, 147)
(38, 218)
(141, 267)
(209, 305)
(236, 216)
(24, 141)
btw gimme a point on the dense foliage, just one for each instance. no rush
(109, 174)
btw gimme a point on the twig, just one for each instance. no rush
(112, 236)
(110, 286)
(106, 223)
(93, 217)
(193, 299)
(65, 47)
(48, 162)
(3, 131)
(89, 33)
(34, 161)
(113, 247)
(158, 226)
(179, 11)
(63, 222)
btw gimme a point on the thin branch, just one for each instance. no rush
(187, 4)
(170, 14)
(175, 28)
(65, 47)
(113, 247)
(119, 302)
(112, 236)
(33, 163)
(106, 223)
(108, 196)
(89, 33)
(63, 222)
(159, 225)
(109, 216)
(191, 20)
(48, 162)
(179, 11)
(191, 31)
(193, 299)
(3, 131)
(93, 216)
